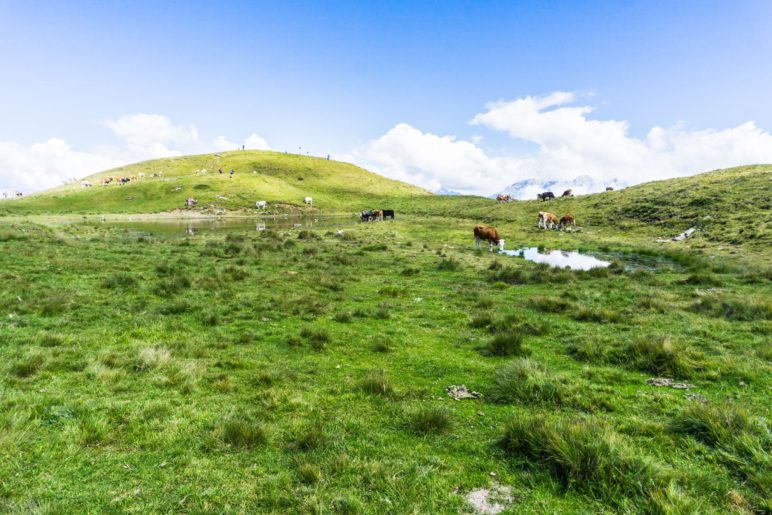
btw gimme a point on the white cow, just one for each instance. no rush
(260, 204)
(86, 184)
(308, 200)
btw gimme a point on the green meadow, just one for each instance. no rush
(305, 370)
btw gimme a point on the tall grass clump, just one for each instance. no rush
(744, 310)
(118, 281)
(549, 304)
(658, 356)
(525, 381)
(55, 304)
(449, 265)
(27, 365)
(584, 456)
(375, 382)
(713, 424)
(238, 432)
(596, 315)
(316, 338)
(429, 420)
(152, 357)
(703, 279)
(172, 286)
(505, 345)
(310, 437)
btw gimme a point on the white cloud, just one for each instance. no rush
(569, 144)
(29, 168)
(222, 145)
(407, 154)
(149, 135)
(253, 142)
(45, 165)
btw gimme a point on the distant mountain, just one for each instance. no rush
(443, 191)
(528, 188)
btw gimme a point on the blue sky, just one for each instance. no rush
(335, 77)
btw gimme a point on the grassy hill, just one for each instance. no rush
(281, 179)
(301, 370)
(729, 206)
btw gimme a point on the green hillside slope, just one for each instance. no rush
(281, 179)
(726, 206)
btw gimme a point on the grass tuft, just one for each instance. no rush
(430, 420)
(376, 383)
(525, 381)
(242, 433)
(505, 345)
(316, 338)
(583, 456)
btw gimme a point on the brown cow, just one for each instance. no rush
(567, 219)
(378, 215)
(547, 220)
(501, 198)
(486, 233)
(568, 193)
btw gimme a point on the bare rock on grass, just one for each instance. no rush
(490, 500)
(459, 392)
(663, 381)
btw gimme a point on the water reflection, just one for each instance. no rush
(192, 227)
(558, 258)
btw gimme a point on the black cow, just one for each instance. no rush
(545, 196)
(367, 216)
(388, 213)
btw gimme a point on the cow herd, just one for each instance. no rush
(106, 181)
(547, 220)
(373, 215)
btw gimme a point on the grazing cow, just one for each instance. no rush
(142, 175)
(260, 204)
(609, 188)
(366, 216)
(123, 180)
(190, 202)
(388, 213)
(308, 200)
(86, 184)
(568, 193)
(486, 233)
(567, 219)
(547, 220)
(19, 194)
(501, 198)
(545, 196)
(106, 181)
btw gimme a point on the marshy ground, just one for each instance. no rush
(305, 371)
